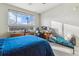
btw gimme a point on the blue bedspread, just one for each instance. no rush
(25, 45)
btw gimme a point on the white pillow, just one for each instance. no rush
(68, 36)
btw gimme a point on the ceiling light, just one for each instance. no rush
(43, 3)
(29, 3)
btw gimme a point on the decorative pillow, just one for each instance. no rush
(68, 36)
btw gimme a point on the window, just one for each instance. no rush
(57, 26)
(71, 29)
(18, 18)
(12, 18)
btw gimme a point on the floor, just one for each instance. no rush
(60, 50)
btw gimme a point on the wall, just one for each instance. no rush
(4, 17)
(64, 13)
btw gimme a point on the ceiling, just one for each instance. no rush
(36, 7)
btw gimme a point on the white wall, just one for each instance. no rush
(4, 17)
(3, 20)
(64, 13)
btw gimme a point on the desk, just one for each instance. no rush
(21, 34)
(16, 34)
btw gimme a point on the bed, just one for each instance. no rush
(62, 41)
(25, 46)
